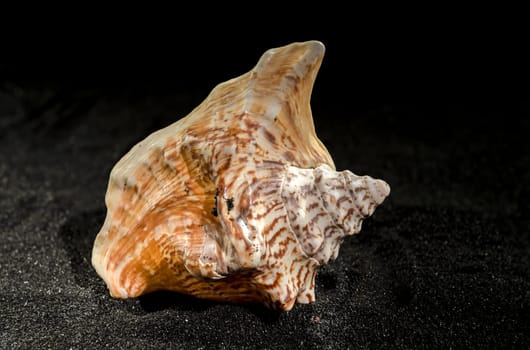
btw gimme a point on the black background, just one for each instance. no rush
(435, 103)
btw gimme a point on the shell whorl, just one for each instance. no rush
(239, 201)
(324, 205)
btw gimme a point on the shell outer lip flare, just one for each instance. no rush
(239, 201)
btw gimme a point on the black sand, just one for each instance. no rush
(443, 263)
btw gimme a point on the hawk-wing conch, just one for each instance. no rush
(239, 201)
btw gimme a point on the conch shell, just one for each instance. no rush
(239, 201)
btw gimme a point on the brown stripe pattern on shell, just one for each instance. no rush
(239, 201)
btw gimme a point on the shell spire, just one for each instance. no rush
(239, 201)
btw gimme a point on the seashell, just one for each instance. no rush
(239, 201)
